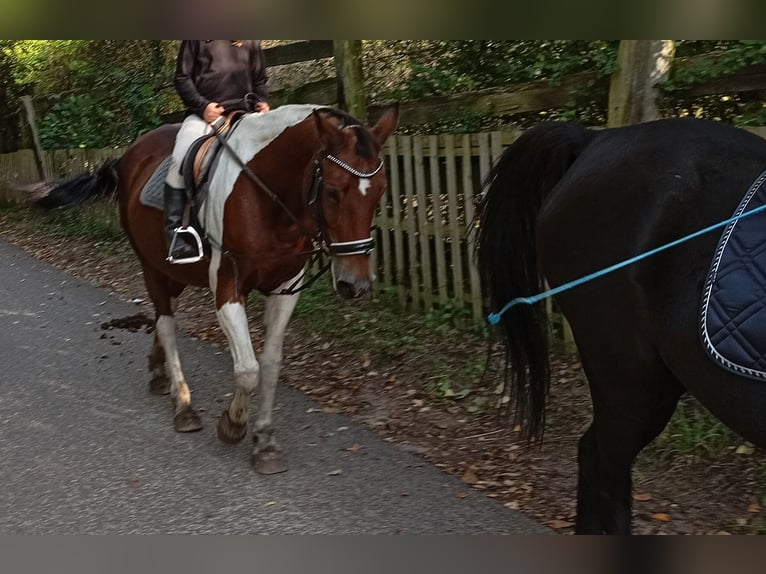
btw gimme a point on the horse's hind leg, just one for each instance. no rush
(267, 457)
(160, 383)
(633, 399)
(164, 361)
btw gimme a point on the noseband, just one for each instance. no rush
(338, 248)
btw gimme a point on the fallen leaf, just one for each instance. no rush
(746, 448)
(755, 507)
(469, 477)
(460, 494)
(557, 524)
(513, 505)
(365, 361)
(355, 447)
(271, 503)
(662, 517)
(335, 472)
(134, 483)
(517, 428)
(642, 496)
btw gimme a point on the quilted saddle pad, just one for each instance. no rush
(733, 317)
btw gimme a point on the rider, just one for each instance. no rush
(212, 77)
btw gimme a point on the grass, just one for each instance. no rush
(97, 221)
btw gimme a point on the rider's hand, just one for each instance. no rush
(212, 112)
(262, 107)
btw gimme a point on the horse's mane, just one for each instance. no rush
(366, 144)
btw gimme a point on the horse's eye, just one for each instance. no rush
(333, 195)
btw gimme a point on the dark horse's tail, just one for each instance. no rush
(76, 189)
(507, 257)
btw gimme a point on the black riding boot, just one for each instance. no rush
(175, 201)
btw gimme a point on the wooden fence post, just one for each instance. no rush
(633, 89)
(348, 63)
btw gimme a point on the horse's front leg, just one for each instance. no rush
(267, 457)
(232, 316)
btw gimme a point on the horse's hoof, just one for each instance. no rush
(228, 431)
(187, 421)
(268, 462)
(159, 385)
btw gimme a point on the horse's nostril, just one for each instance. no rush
(345, 289)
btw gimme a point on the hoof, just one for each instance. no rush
(268, 462)
(228, 431)
(159, 385)
(187, 421)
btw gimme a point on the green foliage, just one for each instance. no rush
(9, 100)
(436, 68)
(100, 93)
(728, 59)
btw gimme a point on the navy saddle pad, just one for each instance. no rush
(733, 318)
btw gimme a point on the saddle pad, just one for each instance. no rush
(733, 318)
(152, 194)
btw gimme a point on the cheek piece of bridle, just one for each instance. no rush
(339, 248)
(321, 240)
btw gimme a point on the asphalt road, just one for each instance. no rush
(85, 448)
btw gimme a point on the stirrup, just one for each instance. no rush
(197, 241)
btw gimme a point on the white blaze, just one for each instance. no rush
(364, 185)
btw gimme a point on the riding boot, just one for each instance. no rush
(175, 202)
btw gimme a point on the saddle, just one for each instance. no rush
(199, 160)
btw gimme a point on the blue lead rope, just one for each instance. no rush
(494, 318)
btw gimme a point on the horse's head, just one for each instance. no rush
(347, 193)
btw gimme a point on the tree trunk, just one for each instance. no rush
(32, 120)
(348, 63)
(643, 64)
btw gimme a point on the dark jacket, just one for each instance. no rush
(218, 71)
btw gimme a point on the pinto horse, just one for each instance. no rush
(288, 182)
(564, 202)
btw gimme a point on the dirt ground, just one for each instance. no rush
(673, 494)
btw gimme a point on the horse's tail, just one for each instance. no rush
(507, 257)
(75, 190)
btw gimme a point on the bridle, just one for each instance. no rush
(337, 248)
(322, 243)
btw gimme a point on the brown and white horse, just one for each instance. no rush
(303, 177)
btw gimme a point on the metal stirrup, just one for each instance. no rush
(188, 230)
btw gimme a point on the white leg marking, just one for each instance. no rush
(166, 334)
(233, 320)
(279, 309)
(212, 270)
(364, 185)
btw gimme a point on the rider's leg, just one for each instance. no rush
(192, 128)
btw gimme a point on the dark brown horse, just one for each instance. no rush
(313, 178)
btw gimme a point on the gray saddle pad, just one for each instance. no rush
(152, 194)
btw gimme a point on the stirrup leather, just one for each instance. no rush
(197, 241)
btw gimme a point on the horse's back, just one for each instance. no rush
(632, 188)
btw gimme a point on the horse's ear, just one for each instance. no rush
(329, 135)
(386, 124)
